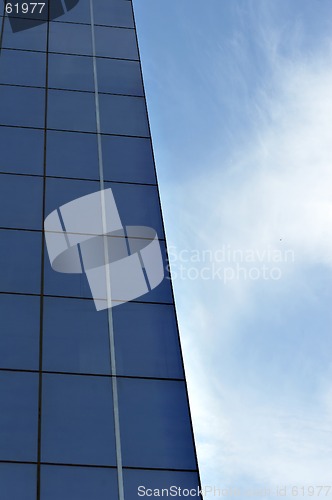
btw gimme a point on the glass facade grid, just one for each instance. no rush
(68, 435)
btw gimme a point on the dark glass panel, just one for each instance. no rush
(76, 337)
(139, 483)
(79, 11)
(155, 424)
(70, 72)
(22, 106)
(116, 42)
(22, 150)
(18, 481)
(19, 334)
(71, 111)
(113, 13)
(123, 115)
(72, 155)
(78, 483)
(21, 201)
(77, 420)
(119, 77)
(128, 159)
(151, 330)
(18, 416)
(31, 37)
(20, 253)
(18, 67)
(70, 38)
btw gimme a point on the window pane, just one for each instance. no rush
(70, 38)
(19, 334)
(119, 77)
(79, 12)
(113, 13)
(155, 425)
(71, 111)
(77, 420)
(75, 337)
(78, 483)
(31, 37)
(20, 253)
(128, 159)
(16, 68)
(18, 481)
(116, 42)
(22, 150)
(123, 115)
(70, 72)
(138, 482)
(72, 155)
(18, 416)
(22, 106)
(24, 210)
(151, 330)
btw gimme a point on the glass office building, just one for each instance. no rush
(81, 419)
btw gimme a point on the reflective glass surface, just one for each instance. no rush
(71, 111)
(18, 416)
(119, 77)
(70, 72)
(22, 106)
(139, 483)
(155, 426)
(116, 42)
(75, 337)
(113, 13)
(21, 201)
(22, 150)
(123, 115)
(19, 334)
(77, 420)
(16, 68)
(70, 38)
(151, 330)
(20, 261)
(30, 38)
(78, 483)
(18, 481)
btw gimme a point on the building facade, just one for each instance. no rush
(94, 403)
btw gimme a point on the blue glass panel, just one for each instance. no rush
(128, 159)
(113, 13)
(155, 424)
(139, 483)
(116, 42)
(21, 201)
(19, 334)
(75, 337)
(123, 115)
(72, 155)
(30, 38)
(80, 13)
(119, 77)
(20, 254)
(77, 420)
(71, 111)
(78, 483)
(18, 481)
(70, 38)
(16, 68)
(18, 416)
(22, 150)
(151, 330)
(70, 72)
(22, 106)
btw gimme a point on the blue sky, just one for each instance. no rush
(240, 103)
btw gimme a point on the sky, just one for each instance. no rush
(240, 103)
